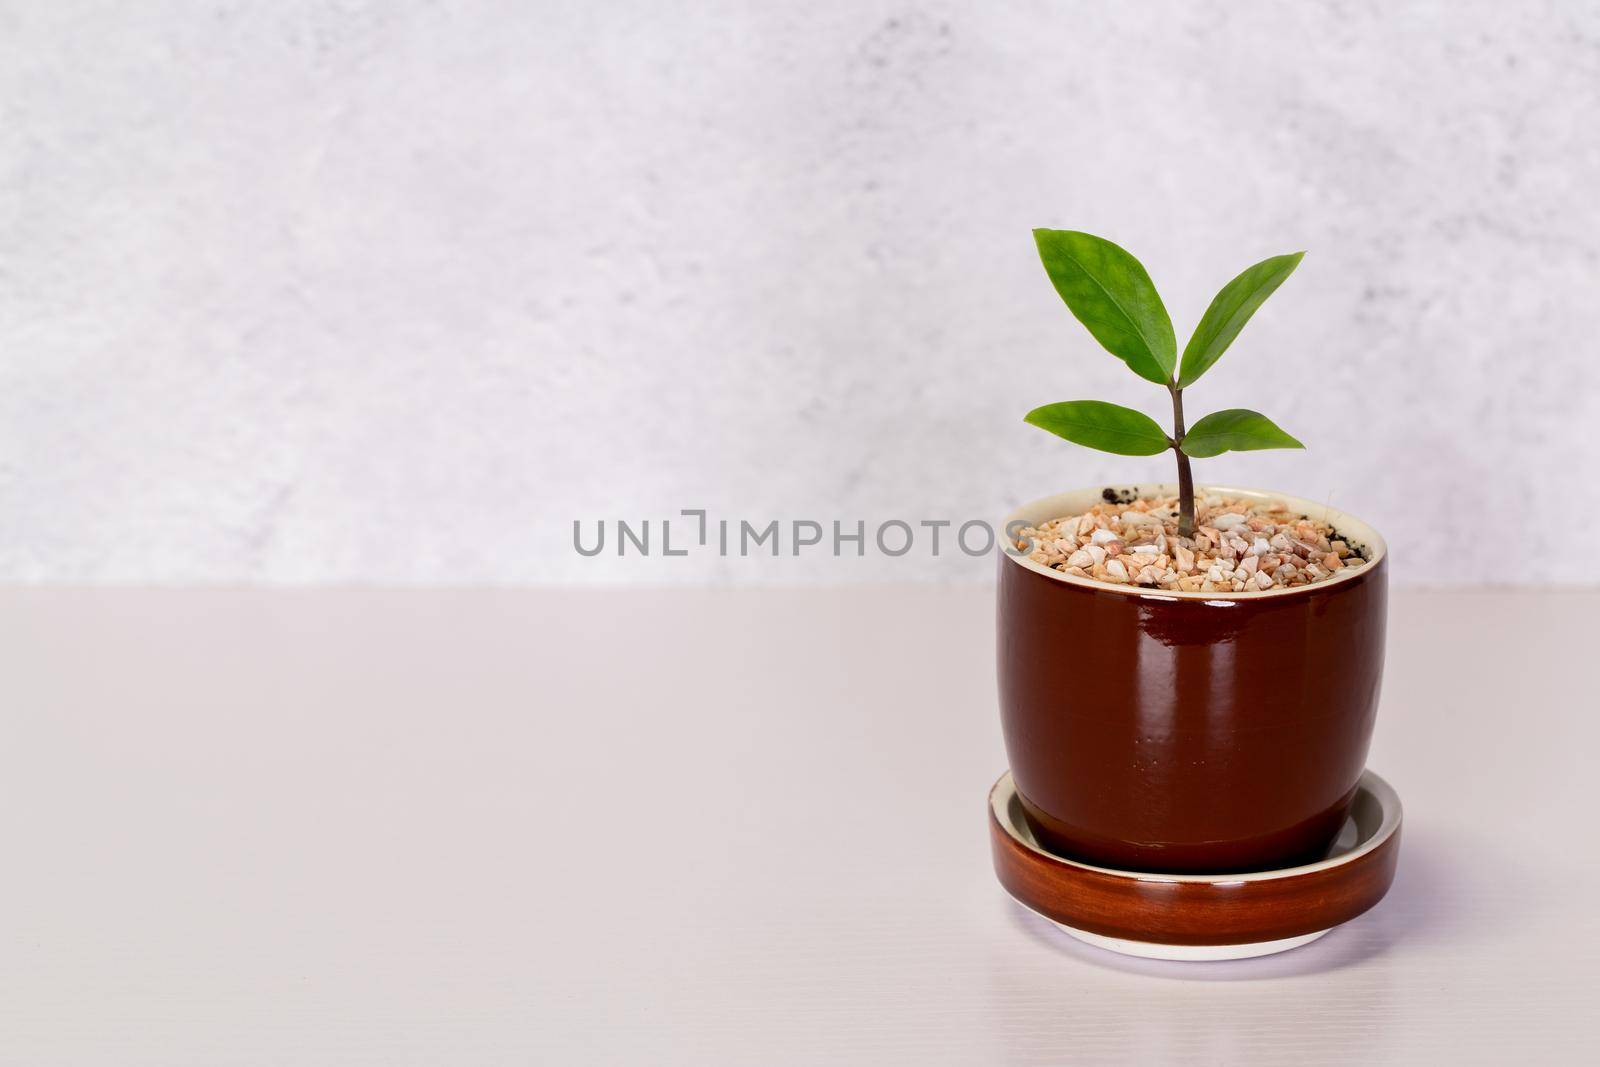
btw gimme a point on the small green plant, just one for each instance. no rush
(1110, 292)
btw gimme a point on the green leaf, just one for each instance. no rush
(1234, 430)
(1228, 313)
(1110, 293)
(1108, 427)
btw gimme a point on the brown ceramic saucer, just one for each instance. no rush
(1202, 916)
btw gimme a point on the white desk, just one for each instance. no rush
(700, 827)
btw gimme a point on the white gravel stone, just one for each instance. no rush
(1239, 545)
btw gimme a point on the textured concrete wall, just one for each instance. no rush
(394, 292)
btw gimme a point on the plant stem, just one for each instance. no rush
(1185, 478)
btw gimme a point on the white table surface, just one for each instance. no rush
(708, 827)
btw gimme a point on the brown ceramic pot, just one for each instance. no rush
(1189, 732)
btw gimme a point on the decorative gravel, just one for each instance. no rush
(1239, 546)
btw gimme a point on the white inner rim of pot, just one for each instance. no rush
(1374, 817)
(1078, 501)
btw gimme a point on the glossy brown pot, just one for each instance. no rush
(1189, 732)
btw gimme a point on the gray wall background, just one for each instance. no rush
(348, 292)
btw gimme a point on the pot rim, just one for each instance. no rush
(1050, 507)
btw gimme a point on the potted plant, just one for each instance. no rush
(1188, 677)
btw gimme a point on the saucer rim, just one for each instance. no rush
(1180, 953)
(1370, 782)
